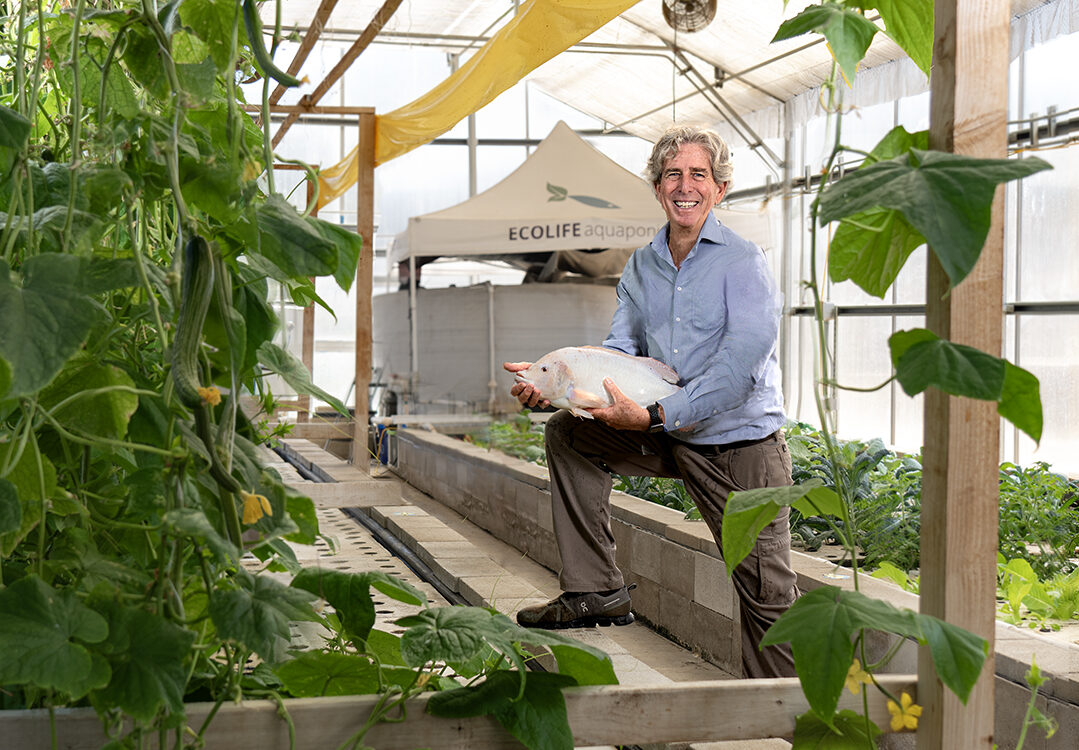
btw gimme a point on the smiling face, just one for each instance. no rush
(687, 190)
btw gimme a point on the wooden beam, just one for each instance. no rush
(366, 37)
(307, 342)
(365, 225)
(598, 715)
(969, 94)
(314, 31)
(304, 109)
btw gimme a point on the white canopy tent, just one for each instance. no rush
(566, 196)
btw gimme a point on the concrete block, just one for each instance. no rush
(645, 597)
(646, 555)
(476, 510)
(647, 515)
(379, 513)
(673, 609)
(503, 592)
(463, 474)
(352, 494)
(501, 522)
(712, 588)
(677, 571)
(717, 637)
(424, 535)
(546, 515)
(450, 570)
(1058, 661)
(503, 490)
(346, 473)
(693, 534)
(544, 550)
(1010, 708)
(429, 552)
(623, 538)
(526, 501)
(1066, 714)
(479, 483)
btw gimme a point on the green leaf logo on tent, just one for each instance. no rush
(560, 194)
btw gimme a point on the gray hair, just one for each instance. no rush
(677, 136)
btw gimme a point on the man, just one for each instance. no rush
(701, 299)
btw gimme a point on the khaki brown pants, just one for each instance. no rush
(581, 456)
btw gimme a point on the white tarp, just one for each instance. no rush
(565, 196)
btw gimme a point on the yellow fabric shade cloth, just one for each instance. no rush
(540, 30)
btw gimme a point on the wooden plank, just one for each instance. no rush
(365, 225)
(320, 431)
(598, 715)
(960, 478)
(382, 15)
(314, 31)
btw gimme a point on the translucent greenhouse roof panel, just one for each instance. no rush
(635, 72)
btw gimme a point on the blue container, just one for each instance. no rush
(382, 442)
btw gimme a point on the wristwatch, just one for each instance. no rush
(655, 423)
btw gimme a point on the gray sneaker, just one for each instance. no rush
(572, 610)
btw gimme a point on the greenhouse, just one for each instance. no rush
(281, 461)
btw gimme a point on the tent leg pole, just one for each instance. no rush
(492, 384)
(414, 385)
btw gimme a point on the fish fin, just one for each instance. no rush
(581, 412)
(665, 371)
(587, 399)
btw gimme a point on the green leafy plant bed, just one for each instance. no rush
(1039, 512)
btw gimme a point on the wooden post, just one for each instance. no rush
(308, 340)
(962, 450)
(365, 225)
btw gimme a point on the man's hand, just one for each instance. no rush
(624, 413)
(523, 392)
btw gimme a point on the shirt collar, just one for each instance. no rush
(712, 231)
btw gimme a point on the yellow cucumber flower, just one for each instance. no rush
(255, 506)
(905, 716)
(856, 677)
(210, 395)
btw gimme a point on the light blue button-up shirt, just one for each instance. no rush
(715, 320)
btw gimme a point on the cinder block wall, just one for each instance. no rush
(682, 586)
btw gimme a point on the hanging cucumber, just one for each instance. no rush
(258, 46)
(196, 291)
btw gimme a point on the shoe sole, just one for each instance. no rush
(582, 622)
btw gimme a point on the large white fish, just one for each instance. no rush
(572, 378)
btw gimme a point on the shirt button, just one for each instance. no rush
(677, 320)
(677, 422)
(678, 288)
(676, 351)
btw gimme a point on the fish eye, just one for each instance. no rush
(543, 369)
